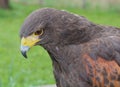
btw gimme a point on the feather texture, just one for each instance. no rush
(84, 54)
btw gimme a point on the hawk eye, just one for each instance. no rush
(39, 32)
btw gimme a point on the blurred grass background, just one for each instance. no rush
(15, 71)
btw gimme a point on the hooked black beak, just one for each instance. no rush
(27, 43)
(24, 54)
(24, 50)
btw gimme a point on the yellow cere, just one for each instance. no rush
(30, 40)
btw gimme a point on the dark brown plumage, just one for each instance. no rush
(84, 54)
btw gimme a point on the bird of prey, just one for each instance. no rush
(83, 54)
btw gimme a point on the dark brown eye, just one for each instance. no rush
(39, 32)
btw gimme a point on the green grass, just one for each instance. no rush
(15, 71)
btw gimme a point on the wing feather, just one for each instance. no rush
(102, 61)
(107, 48)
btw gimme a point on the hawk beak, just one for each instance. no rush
(24, 50)
(27, 43)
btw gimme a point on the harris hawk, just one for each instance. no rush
(83, 54)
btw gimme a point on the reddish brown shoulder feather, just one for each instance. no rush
(102, 73)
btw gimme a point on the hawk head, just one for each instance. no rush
(51, 27)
